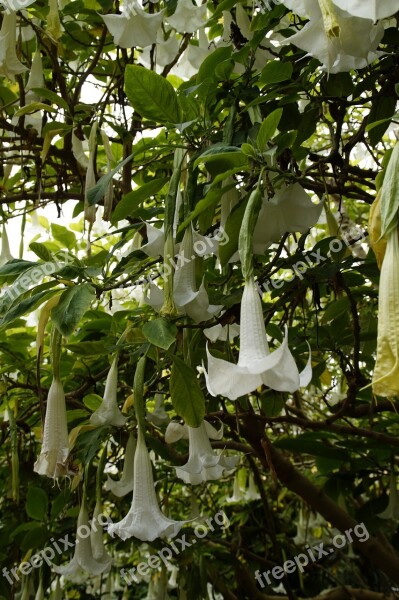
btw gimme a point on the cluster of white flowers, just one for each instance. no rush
(342, 34)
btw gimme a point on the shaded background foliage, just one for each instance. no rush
(334, 139)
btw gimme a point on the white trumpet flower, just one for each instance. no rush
(222, 332)
(369, 9)
(392, 510)
(108, 412)
(256, 365)
(90, 181)
(125, 484)
(134, 27)
(5, 254)
(188, 17)
(145, 521)
(340, 41)
(252, 492)
(40, 591)
(97, 539)
(9, 63)
(55, 446)
(204, 463)
(290, 210)
(83, 562)
(188, 300)
(238, 495)
(386, 370)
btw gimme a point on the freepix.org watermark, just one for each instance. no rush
(314, 553)
(201, 247)
(168, 552)
(312, 259)
(34, 275)
(49, 552)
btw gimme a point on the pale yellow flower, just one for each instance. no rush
(386, 371)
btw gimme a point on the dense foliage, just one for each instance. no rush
(175, 129)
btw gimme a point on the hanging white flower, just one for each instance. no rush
(222, 332)
(78, 151)
(83, 562)
(97, 539)
(251, 493)
(238, 495)
(369, 9)
(125, 484)
(16, 5)
(290, 210)
(165, 52)
(108, 412)
(155, 241)
(188, 17)
(55, 446)
(392, 510)
(90, 181)
(193, 56)
(204, 463)
(301, 530)
(9, 63)
(338, 40)
(256, 365)
(145, 521)
(5, 254)
(36, 77)
(188, 300)
(134, 27)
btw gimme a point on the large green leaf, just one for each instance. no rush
(276, 71)
(63, 235)
(36, 503)
(24, 306)
(151, 95)
(268, 128)
(132, 200)
(220, 157)
(160, 332)
(187, 397)
(73, 303)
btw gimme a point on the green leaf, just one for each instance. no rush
(186, 394)
(232, 230)
(211, 198)
(276, 71)
(32, 108)
(208, 66)
(15, 267)
(220, 158)
(36, 503)
(52, 96)
(92, 401)
(25, 306)
(382, 109)
(36, 538)
(41, 251)
(87, 348)
(96, 193)
(73, 304)
(132, 200)
(151, 95)
(63, 235)
(160, 332)
(268, 128)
